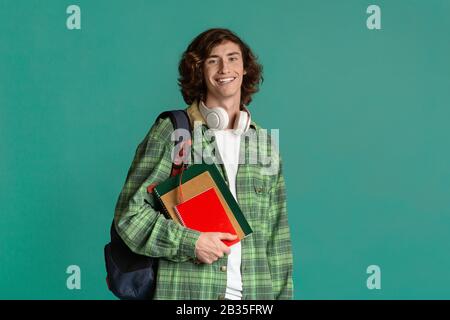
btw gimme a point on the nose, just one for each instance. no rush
(223, 67)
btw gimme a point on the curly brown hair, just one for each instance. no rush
(191, 80)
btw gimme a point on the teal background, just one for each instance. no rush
(363, 118)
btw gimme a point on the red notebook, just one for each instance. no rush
(205, 213)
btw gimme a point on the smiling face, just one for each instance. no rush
(223, 72)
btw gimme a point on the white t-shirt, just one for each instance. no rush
(228, 144)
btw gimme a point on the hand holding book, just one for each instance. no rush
(210, 247)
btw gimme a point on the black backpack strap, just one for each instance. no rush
(180, 120)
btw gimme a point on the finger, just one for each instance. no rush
(207, 260)
(227, 236)
(213, 257)
(223, 247)
(226, 250)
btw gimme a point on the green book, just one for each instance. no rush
(195, 180)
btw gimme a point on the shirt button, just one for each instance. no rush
(221, 297)
(223, 268)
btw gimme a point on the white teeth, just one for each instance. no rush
(225, 80)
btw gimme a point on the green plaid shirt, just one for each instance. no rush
(266, 264)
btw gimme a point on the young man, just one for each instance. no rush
(218, 75)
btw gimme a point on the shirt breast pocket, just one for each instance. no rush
(260, 199)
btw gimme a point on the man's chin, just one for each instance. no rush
(226, 93)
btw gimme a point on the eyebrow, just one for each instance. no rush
(228, 54)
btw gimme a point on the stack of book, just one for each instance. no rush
(206, 205)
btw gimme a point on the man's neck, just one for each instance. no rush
(231, 106)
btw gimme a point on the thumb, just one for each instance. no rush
(227, 236)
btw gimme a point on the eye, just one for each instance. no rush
(233, 58)
(211, 61)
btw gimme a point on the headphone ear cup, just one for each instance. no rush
(247, 124)
(241, 123)
(217, 118)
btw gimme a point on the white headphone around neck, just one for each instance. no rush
(217, 118)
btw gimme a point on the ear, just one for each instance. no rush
(245, 72)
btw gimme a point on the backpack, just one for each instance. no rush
(132, 276)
